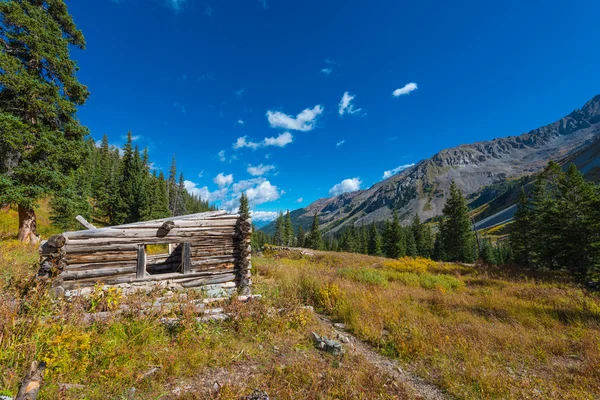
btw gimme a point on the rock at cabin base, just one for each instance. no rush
(327, 345)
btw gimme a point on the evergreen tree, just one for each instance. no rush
(522, 231)
(423, 238)
(314, 239)
(172, 188)
(394, 245)
(301, 236)
(487, 255)
(279, 236)
(456, 236)
(288, 230)
(411, 244)
(244, 209)
(374, 242)
(180, 203)
(160, 205)
(41, 140)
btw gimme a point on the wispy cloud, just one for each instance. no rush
(222, 156)
(305, 121)
(346, 106)
(239, 93)
(326, 71)
(392, 172)
(180, 107)
(201, 174)
(280, 141)
(263, 4)
(259, 170)
(223, 180)
(134, 138)
(264, 216)
(406, 89)
(347, 185)
(208, 11)
(300, 200)
(240, 122)
(205, 77)
(175, 5)
(340, 143)
(329, 61)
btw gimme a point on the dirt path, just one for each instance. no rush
(420, 389)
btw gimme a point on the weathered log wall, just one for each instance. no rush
(206, 249)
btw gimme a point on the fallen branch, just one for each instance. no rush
(33, 381)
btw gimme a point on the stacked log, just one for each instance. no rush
(52, 256)
(243, 254)
(207, 249)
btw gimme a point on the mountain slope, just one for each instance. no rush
(423, 187)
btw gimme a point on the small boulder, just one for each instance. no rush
(327, 345)
(258, 395)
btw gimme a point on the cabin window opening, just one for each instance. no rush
(163, 258)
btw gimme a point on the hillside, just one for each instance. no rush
(423, 187)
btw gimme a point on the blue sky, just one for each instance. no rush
(292, 101)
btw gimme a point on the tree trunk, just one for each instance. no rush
(27, 225)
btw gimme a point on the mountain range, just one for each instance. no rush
(476, 168)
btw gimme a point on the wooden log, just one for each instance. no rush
(167, 226)
(204, 215)
(141, 262)
(146, 233)
(56, 241)
(93, 248)
(30, 386)
(96, 273)
(187, 258)
(96, 265)
(195, 241)
(74, 258)
(84, 222)
(205, 282)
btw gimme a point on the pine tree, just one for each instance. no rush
(456, 236)
(279, 236)
(487, 255)
(522, 231)
(244, 209)
(180, 203)
(288, 230)
(423, 237)
(301, 236)
(374, 242)
(394, 244)
(411, 244)
(314, 239)
(172, 188)
(160, 206)
(41, 140)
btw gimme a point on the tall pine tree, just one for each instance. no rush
(456, 235)
(41, 140)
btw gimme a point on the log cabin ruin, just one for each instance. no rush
(209, 250)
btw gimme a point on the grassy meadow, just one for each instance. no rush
(476, 333)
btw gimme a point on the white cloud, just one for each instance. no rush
(280, 141)
(208, 11)
(329, 61)
(259, 170)
(258, 190)
(180, 107)
(264, 216)
(392, 172)
(204, 193)
(201, 174)
(300, 200)
(263, 4)
(341, 142)
(347, 185)
(222, 157)
(223, 180)
(346, 106)
(327, 71)
(305, 121)
(240, 122)
(242, 142)
(239, 93)
(406, 89)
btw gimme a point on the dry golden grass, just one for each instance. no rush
(266, 345)
(474, 335)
